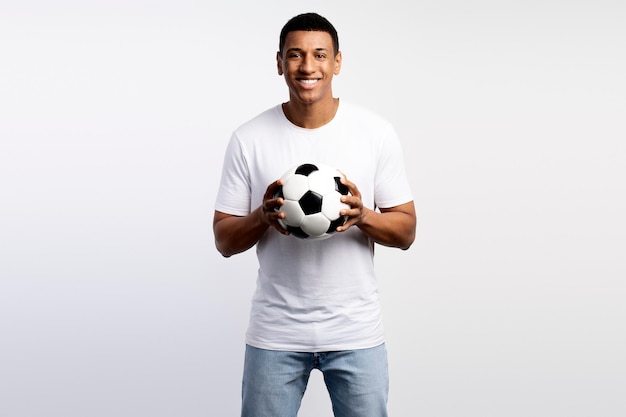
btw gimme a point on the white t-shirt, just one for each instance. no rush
(314, 295)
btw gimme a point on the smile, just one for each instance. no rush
(308, 82)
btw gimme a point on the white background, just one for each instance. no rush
(113, 121)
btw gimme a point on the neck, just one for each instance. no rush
(310, 116)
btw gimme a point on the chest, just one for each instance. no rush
(355, 156)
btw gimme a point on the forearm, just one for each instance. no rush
(389, 228)
(236, 234)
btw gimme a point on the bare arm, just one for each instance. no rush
(394, 226)
(236, 234)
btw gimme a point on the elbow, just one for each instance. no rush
(401, 241)
(407, 246)
(409, 237)
(222, 247)
(229, 247)
(223, 243)
(408, 241)
(225, 254)
(224, 250)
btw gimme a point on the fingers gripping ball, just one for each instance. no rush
(312, 205)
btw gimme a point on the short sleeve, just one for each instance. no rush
(391, 184)
(234, 195)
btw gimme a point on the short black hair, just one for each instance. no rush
(312, 22)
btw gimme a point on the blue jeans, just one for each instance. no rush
(274, 381)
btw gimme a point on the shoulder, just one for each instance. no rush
(268, 119)
(365, 121)
(363, 116)
(259, 134)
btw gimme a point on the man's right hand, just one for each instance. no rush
(269, 214)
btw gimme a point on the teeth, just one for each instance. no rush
(308, 81)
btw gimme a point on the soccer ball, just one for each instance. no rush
(312, 195)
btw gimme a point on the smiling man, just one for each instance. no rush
(308, 60)
(316, 305)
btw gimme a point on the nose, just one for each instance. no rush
(307, 65)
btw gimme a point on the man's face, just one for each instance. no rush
(308, 63)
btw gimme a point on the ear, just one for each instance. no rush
(338, 58)
(279, 63)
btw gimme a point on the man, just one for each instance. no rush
(316, 305)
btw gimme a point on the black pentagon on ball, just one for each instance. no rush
(339, 187)
(336, 223)
(297, 232)
(306, 169)
(311, 202)
(279, 192)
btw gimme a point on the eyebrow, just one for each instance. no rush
(300, 49)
